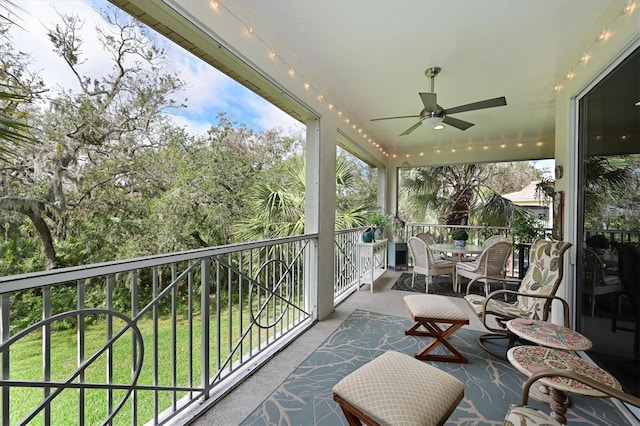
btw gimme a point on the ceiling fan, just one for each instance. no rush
(434, 113)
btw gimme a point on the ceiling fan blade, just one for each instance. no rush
(429, 101)
(393, 118)
(457, 123)
(488, 103)
(411, 129)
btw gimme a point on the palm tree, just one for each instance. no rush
(13, 129)
(459, 194)
(277, 208)
(607, 181)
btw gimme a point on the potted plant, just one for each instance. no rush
(459, 237)
(380, 222)
(545, 189)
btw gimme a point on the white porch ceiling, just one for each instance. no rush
(372, 55)
(368, 58)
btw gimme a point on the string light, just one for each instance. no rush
(629, 8)
(216, 6)
(604, 35)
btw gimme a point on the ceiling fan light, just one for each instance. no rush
(438, 127)
(433, 120)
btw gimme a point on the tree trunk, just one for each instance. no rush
(34, 210)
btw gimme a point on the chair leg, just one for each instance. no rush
(413, 278)
(496, 336)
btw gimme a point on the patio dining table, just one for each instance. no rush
(458, 253)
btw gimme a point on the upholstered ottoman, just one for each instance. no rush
(396, 389)
(437, 317)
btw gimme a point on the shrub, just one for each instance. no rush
(459, 235)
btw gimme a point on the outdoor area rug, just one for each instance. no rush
(441, 285)
(491, 385)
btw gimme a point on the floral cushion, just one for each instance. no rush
(544, 274)
(543, 278)
(497, 307)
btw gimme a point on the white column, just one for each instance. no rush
(320, 200)
(383, 185)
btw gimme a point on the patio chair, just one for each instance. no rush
(523, 414)
(429, 240)
(533, 297)
(424, 262)
(494, 239)
(487, 243)
(594, 281)
(492, 263)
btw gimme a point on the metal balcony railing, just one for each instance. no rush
(345, 263)
(153, 335)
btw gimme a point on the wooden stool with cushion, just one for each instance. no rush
(396, 389)
(430, 311)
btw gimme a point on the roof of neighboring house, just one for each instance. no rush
(525, 197)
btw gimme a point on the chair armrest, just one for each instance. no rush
(505, 280)
(607, 390)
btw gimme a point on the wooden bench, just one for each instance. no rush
(431, 313)
(395, 389)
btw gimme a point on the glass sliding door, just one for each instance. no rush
(608, 260)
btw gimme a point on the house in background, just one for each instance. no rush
(526, 198)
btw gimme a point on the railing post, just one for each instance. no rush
(4, 336)
(205, 282)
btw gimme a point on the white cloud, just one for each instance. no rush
(269, 116)
(208, 92)
(36, 18)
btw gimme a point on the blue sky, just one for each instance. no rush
(208, 91)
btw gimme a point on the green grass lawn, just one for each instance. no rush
(26, 364)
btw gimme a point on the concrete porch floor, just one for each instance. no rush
(239, 403)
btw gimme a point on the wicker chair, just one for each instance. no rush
(424, 262)
(533, 298)
(491, 263)
(429, 240)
